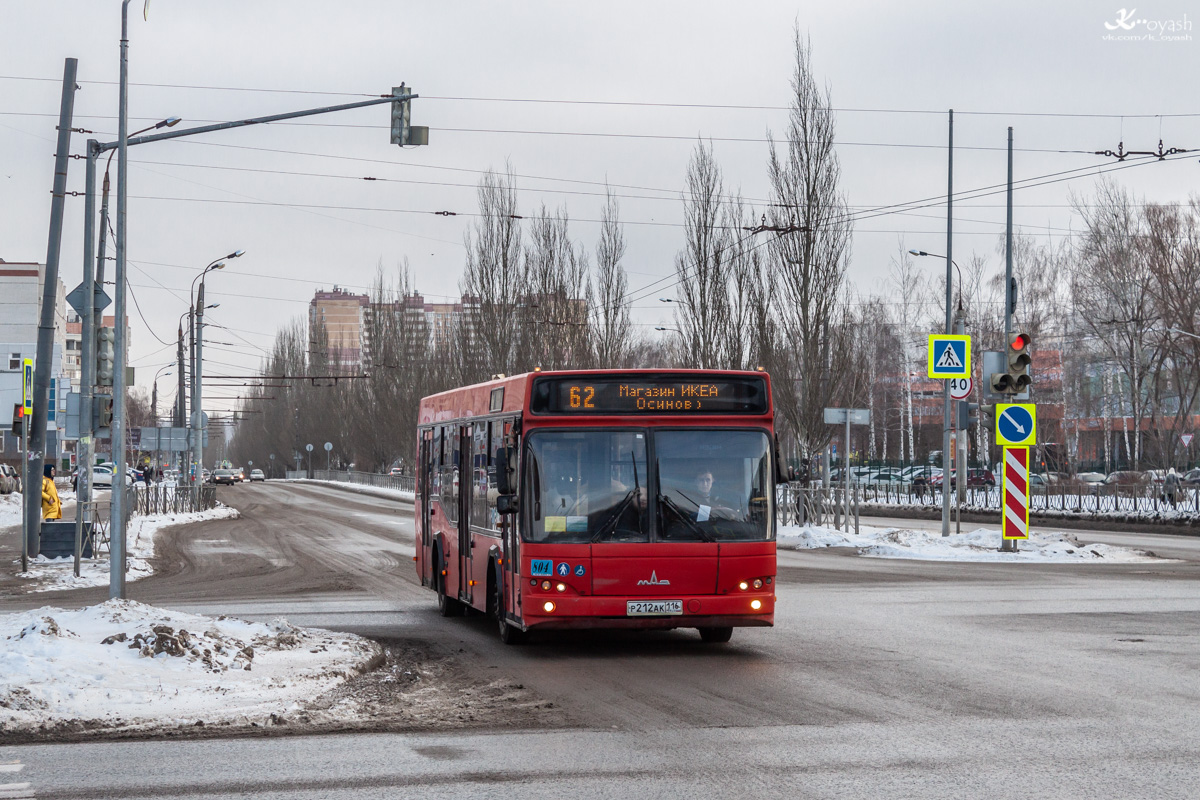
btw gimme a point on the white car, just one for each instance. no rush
(102, 477)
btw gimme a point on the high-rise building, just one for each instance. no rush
(341, 315)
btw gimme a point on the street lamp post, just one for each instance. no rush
(948, 416)
(198, 376)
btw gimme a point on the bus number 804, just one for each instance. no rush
(582, 396)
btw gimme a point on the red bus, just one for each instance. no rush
(601, 499)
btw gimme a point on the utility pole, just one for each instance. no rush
(87, 356)
(949, 329)
(1008, 545)
(198, 402)
(43, 361)
(116, 524)
(180, 397)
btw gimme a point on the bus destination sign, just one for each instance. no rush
(649, 394)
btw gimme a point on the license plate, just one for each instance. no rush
(653, 608)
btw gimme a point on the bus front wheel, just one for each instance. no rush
(447, 606)
(716, 635)
(509, 633)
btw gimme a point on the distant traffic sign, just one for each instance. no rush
(1186, 438)
(960, 388)
(1016, 424)
(949, 356)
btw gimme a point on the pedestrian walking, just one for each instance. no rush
(51, 506)
(1171, 487)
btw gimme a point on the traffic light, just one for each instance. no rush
(402, 132)
(104, 411)
(1018, 362)
(1016, 378)
(106, 355)
(967, 415)
(18, 418)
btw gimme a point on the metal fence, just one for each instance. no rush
(404, 483)
(1061, 497)
(796, 505)
(155, 498)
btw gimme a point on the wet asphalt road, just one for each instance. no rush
(881, 678)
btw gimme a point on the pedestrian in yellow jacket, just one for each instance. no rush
(51, 506)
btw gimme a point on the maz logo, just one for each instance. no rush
(654, 581)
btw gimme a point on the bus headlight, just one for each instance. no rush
(546, 585)
(743, 586)
(562, 587)
(755, 604)
(549, 607)
(758, 583)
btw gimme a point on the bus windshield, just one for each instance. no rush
(594, 486)
(712, 485)
(588, 486)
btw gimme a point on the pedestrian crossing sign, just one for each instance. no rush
(949, 356)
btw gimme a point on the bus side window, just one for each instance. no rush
(435, 466)
(479, 476)
(494, 520)
(450, 472)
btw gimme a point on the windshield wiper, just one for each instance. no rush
(685, 518)
(610, 524)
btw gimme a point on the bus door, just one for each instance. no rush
(425, 537)
(464, 476)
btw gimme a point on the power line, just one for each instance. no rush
(625, 103)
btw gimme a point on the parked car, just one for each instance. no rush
(978, 477)
(1192, 477)
(257, 475)
(102, 477)
(1038, 482)
(1126, 478)
(395, 472)
(1090, 478)
(10, 479)
(224, 476)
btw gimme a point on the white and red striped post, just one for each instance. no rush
(1015, 501)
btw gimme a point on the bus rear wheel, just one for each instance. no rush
(716, 635)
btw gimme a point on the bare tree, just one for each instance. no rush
(495, 279)
(810, 264)
(612, 327)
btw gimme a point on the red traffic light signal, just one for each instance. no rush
(1019, 342)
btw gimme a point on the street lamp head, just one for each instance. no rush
(169, 122)
(236, 254)
(661, 329)
(665, 300)
(213, 305)
(218, 265)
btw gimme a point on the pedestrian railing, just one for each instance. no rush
(822, 506)
(404, 483)
(1059, 498)
(148, 500)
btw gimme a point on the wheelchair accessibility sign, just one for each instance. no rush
(949, 356)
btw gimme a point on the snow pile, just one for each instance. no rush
(52, 574)
(10, 509)
(982, 544)
(127, 665)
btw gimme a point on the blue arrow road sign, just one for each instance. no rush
(1015, 424)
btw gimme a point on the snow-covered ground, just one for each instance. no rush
(362, 488)
(126, 665)
(49, 574)
(982, 544)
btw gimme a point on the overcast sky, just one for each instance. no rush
(1027, 64)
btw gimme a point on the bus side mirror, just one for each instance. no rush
(506, 472)
(506, 504)
(781, 471)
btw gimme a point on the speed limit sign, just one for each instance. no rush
(960, 388)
